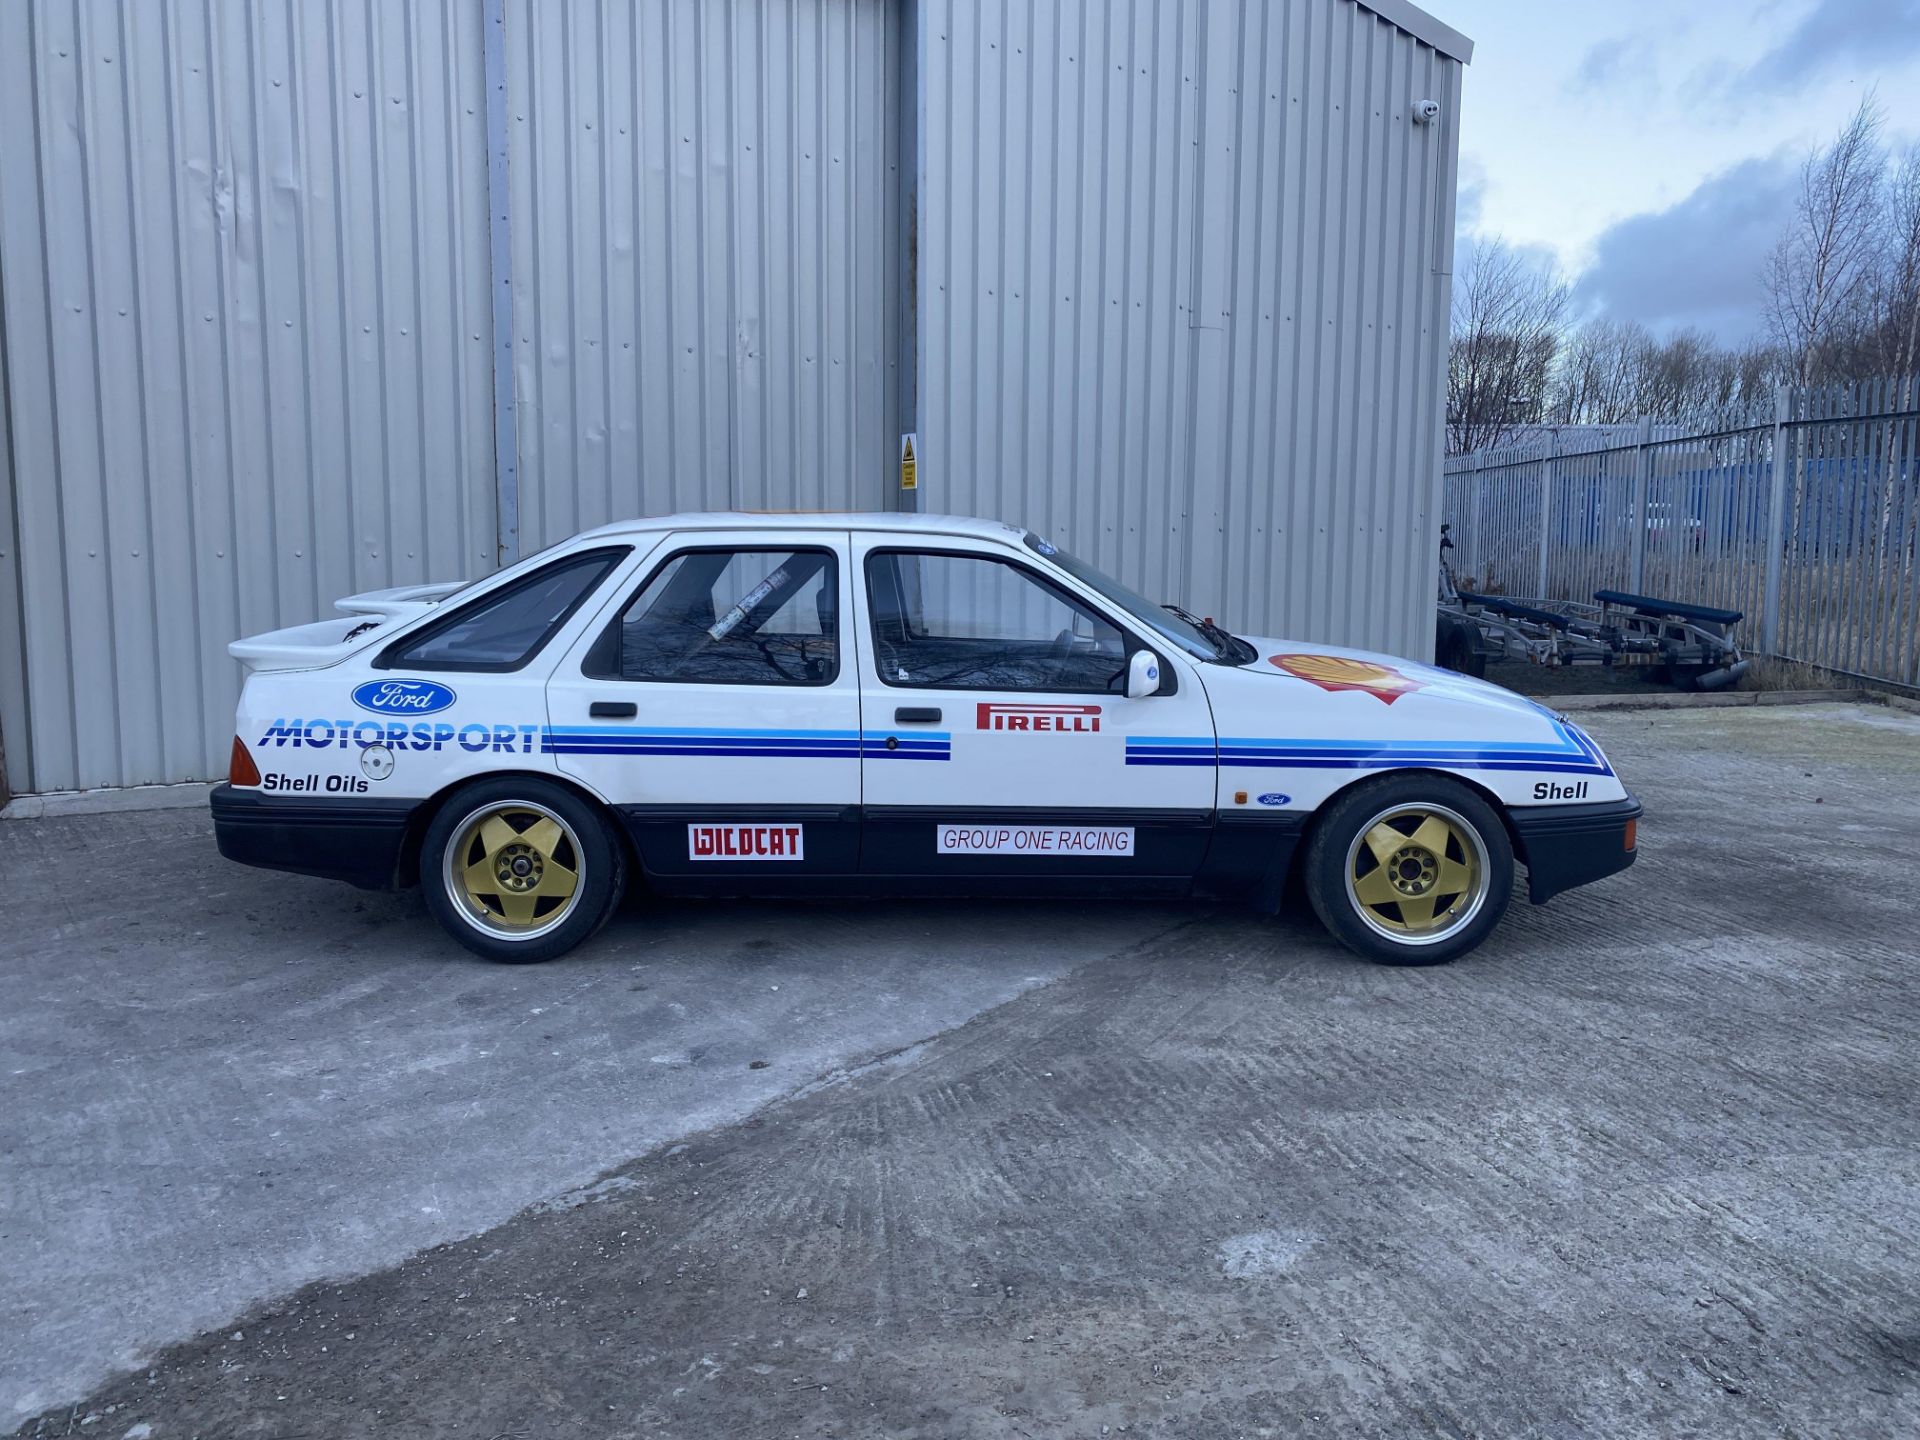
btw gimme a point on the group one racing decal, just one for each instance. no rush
(1574, 755)
(609, 740)
(1062, 841)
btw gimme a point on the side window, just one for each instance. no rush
(964, 622)
(506, 628)
(729, 617)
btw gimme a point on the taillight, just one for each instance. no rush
(240, 769)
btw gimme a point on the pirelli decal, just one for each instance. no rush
(1035, 719)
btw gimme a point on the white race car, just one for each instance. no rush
(816, 705)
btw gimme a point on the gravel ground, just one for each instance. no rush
(1647, 1164)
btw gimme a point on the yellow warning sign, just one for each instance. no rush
(909, 467)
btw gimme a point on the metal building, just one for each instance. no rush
(302, 300)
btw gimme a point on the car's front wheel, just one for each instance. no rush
(520, 870)
(1409, 869)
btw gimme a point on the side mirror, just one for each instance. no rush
(1143, 674)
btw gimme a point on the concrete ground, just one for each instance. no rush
(1646, 1164)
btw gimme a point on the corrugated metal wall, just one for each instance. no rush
(705, 233)
(1183, 276)
(1169, 279)
(245, 267)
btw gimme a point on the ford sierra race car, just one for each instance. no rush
(817, 705)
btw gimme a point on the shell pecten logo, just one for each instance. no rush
(1338, 672)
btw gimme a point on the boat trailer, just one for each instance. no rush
(1692, 646)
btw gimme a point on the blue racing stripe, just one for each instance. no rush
(1557, 766)
(702, 730)
(935, 745)
(644, 740)
(699, 740)
(1576, 755)
(714, 749)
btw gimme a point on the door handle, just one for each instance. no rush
(916, 715)
(613, 710)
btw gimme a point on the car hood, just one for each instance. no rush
(1322, 717)
(1392, 679)
(1298, 688)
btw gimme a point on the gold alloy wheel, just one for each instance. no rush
(514, 869)
(1417, 873)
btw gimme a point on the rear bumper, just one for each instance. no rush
(357, 840)
(1568, 845)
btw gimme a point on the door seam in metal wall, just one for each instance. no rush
(11, 537)
(506, 434)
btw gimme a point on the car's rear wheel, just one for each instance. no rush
(1409, 869)
(520, 870)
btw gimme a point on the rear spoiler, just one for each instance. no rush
(401, 600)
(327, 642)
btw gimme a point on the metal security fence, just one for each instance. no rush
(1807, 522)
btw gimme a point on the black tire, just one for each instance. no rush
(1475, 847)
(1456, 648)
(581, 844)
(1686, 678)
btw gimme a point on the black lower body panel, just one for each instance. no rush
(1568, 845)
(775, 843)
(1250, 856)
(907, 840)
(358, 840)
(816, 850)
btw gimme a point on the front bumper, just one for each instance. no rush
(1567, 845)
(359, 840)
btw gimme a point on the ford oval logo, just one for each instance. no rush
(403, 697)
(1274, 797)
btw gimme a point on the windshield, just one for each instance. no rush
(1157, 618)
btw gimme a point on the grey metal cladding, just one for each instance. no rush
(1168, 281)
(1183, 298)
(245, 275)
(705, 212)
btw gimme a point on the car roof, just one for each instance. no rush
(887, 520)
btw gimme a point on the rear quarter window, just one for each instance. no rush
(505, 628)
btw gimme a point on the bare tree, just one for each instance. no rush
(1758, 368)
(1691, 375)
(1598, 381)
(1891, 346)
(1819, 277)
(1899, 284)
(1611, 372)
(1507, 314)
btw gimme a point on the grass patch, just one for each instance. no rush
(1768, 673)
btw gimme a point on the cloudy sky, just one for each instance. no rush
(1652, 145)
